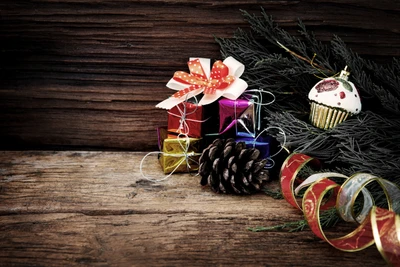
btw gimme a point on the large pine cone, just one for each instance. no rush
(230, 167)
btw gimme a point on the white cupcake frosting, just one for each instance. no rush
(337, 93)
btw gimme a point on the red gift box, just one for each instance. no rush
(186, 118)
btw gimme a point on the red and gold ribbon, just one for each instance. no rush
(197, 78)
(222, 80)
(377, 225)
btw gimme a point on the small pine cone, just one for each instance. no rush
(229, 167)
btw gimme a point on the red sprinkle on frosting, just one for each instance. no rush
(327, 85)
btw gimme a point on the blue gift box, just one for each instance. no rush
(262, 143)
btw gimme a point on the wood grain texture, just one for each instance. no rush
(81, 74)
(94, 209)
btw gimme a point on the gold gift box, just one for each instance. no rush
(173, 157)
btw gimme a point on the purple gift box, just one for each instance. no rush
(238, 114)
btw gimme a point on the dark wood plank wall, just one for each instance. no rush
(79, 74)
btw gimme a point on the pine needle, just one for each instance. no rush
(328, 218)
(289, 66)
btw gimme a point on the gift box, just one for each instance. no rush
(262, 143)
(237, 115)
(186, 118)
(179, 154)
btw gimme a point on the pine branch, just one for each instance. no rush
(291, 226)
(276, 194)
(363, 72)
(302, 137)
(268, 71)
(368, 142)
(322, 51)
(244, 46)
(328, 218)
(267, 28)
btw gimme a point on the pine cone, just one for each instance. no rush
(230, 167)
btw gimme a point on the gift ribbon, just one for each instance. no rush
(183, 125)
(186, 157)
(222, 80)
(270, 158)
(219, 78)
(259, 103)
(377, 225)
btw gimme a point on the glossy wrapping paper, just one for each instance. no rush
(237, 114)
(262, 144)
(186, 118)
(179, 154)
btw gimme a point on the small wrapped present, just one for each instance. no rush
(238, 114)
(186, 118)
(262, 143)
(179, 154)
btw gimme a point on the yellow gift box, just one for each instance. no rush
(179, 153)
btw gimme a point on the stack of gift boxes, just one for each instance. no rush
(181, 141)
(193, 124)
(192, 127)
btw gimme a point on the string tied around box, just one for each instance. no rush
(258, 104)
(184, 143)
(251, 117)
(186, 158)
(183, 117)
(270, 158)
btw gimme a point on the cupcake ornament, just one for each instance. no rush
(333, 100)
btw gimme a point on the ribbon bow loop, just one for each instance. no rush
(222, 80)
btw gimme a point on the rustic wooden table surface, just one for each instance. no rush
(95, 209)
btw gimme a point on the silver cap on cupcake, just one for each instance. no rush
(344, 74)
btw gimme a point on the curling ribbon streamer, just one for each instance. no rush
(272, 164)
(222, 80)
(259, 102)
(377, 225)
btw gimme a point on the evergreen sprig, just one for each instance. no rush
(373, 80)
(328, 219)
(289, 66)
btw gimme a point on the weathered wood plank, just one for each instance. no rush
(87, 74)
(93, 208)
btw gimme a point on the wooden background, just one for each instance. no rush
(86, 75)
(79, 74)
(92, 208)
